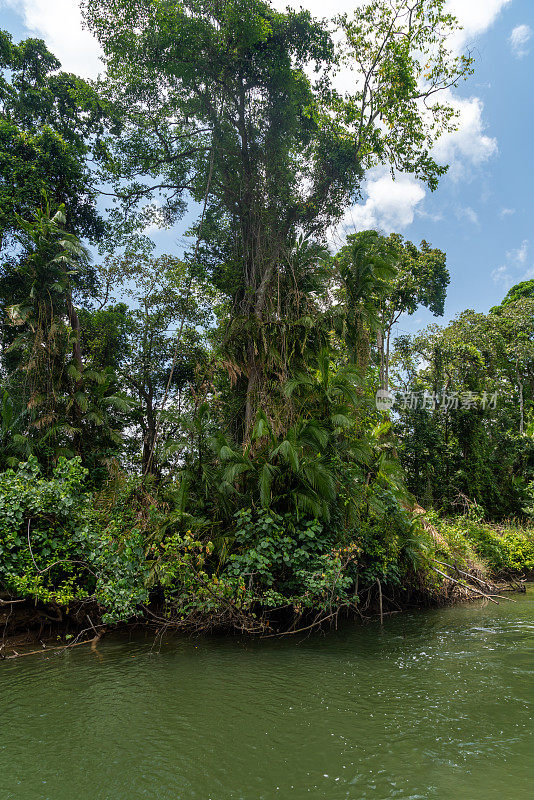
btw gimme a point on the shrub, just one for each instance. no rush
(504, 549)
(55, 547)
(41, 525)
(286, 561)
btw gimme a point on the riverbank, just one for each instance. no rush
(72, 564)
(30, 628)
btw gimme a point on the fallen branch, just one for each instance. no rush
(98, 634)
(49, 649)
(380, 601)
(315, 624)
(11, 602)
(485, 584)
(469, 588)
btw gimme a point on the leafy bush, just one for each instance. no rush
(56, 548)
(519, 548)
(503, 549)
(61, 545)
(286, 561)
(394, 545)
(42, 522)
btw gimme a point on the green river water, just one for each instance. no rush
(435, 705)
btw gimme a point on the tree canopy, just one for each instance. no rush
(51, 124)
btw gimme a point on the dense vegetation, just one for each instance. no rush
(193, 437)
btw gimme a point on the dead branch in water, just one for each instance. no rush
(489, 586)
(470, 588)
(49, 649)
(380, 601)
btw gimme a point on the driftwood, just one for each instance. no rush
(491, 588)
(49, 649)
(471, 588)
(61, 648)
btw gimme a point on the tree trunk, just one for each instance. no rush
(149, 438)
(521, 409)
(381, 355)
(74, 322)
(255, 367)
(386, 375)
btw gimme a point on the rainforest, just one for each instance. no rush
(232, 436)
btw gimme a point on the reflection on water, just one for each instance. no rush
(434, 706)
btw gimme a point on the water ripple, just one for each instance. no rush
(435, 705)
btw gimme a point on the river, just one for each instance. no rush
(437, 704)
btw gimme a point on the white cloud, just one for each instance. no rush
(518, 256)
(502, 277)
(469, 142)
(468, 214)
(519, 38)
(59, 23)
(513, 270)
(475, 16)
(506, 212)
(434, 216)
(390, 204)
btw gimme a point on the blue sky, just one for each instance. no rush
(482, 213)
(493, 248)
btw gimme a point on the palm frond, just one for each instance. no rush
(267, 474)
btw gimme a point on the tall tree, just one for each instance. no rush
(66, 405)
(421, 279)
(138, 341)
(218, 100)
(467, 433)
(51, 126)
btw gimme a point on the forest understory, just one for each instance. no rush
(32, 628)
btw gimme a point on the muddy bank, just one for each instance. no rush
(28, 628)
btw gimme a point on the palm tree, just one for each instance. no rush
(15, 446)
(366, 265)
